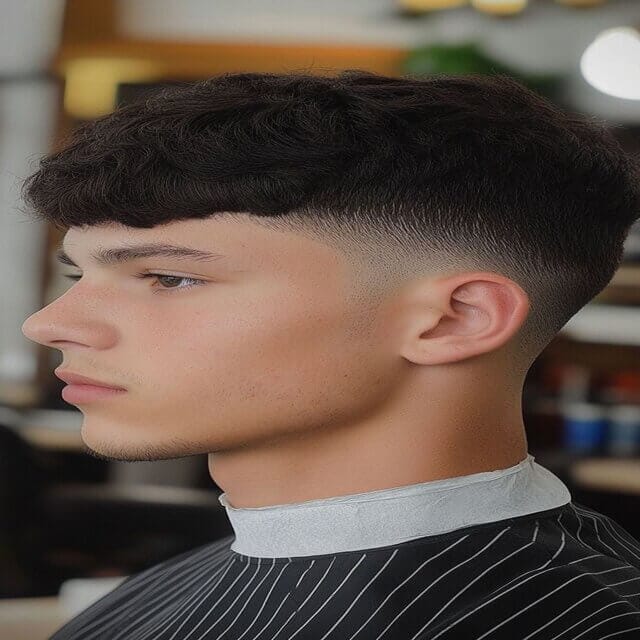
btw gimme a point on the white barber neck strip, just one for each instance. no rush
(386, 517)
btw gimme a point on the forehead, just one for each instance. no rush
(237, 236)
(220, 235)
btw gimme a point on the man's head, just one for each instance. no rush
(380, 238)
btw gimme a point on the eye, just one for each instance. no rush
(159, 276)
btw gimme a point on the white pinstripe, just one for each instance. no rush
(272, 617)
(440, 578)
(307, 598)
(273, 586)
(535, 573)
(629, 613)
(615, 633)
(402, 583)
(220, 598)
(611, 604)
(131, 604)
(589, 595)
(181, 607)
(618, 541)
(326, 602)
(337, 622)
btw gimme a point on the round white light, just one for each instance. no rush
(611, 63)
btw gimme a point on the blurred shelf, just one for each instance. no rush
(201, 59)
(605, 323)
(615, 475)
(627, 275)
(53, 439)
(593, 472)
(31, 618)
(606, 357)
(52, 429)
(624, 287)
(93, 71)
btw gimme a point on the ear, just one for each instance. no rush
(458, 317)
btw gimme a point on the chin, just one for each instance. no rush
(106, 449)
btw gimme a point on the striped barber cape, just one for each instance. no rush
(499, 555)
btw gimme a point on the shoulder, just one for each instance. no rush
(568, 574)
(181, 562)
(133, 594)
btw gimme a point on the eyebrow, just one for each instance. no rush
(115, 255)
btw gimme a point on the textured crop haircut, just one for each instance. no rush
(409, 177)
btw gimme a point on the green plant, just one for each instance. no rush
(469, 58)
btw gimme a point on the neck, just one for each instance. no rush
(391, 449)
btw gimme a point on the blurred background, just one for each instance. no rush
(72, 526)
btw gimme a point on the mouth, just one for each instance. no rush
(77, 393)
(77, 379)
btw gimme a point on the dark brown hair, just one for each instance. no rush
(409, 176)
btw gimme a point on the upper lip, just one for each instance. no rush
(75, 378)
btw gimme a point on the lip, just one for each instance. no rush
(81, 393)
(76, 378)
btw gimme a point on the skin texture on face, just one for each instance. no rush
(296, 389)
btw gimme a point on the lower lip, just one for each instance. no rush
(85, 392)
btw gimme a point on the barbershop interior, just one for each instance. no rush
(73, 525)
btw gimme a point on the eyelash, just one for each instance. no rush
(158, 275)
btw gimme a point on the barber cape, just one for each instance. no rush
(497, 555)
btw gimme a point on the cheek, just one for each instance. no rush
(243, 371)
(273, 352)
(273, 340)
(298, 358)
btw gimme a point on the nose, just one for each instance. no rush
(60, 320)
(37, 328)
(79, 317)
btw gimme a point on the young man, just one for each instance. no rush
(335, 287)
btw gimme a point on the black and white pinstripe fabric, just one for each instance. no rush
(568, 573)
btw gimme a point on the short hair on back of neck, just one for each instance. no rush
(408, 176)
